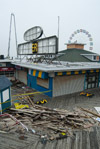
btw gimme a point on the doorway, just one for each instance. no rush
(92, 80)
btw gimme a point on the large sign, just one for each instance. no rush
(33, 33)
(43, 46)
(6, 69)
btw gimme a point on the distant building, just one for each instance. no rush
(5, 95)
(75, 53)
(77, 70)
(7, 69)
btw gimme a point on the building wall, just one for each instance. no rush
(63, 85)
(32, 82)
(21, 75)
(60, 85)
(93, 57)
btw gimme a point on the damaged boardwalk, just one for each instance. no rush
(84, 133)
(71, 101)
(82, 140)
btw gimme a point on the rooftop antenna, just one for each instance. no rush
(12, 16)
(58, 31)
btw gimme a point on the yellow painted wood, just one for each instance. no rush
(91, 71)
(59, 73)
(40, 74)
(76, 72)
(34, 72)
(68, 73)
(83, 71)
(97, 70)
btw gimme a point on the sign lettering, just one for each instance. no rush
(34, 47)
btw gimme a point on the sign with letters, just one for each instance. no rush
(43, 46)
(34, 45)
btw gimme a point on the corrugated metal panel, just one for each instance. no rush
(67, 84)
(22, 76)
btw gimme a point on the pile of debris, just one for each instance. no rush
(43, 121)
(22, 92)
(17, 83)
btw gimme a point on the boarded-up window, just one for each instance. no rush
(43, 82)
(63, 85)
(22, 76)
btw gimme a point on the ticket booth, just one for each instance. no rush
(5, 95)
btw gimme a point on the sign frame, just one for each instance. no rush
(31, 30)
(36, 41)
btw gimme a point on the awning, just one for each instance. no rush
(75, 72)
(39, 74)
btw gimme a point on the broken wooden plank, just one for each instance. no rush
(91, 112)
(30, 100)
(56, 129)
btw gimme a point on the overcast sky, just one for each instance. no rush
(74, 14)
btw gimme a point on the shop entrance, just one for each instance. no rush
(92, 80)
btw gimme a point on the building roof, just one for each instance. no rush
(75, 43)
(4, 82)
(74, 55)
(5, 60)
(54, 67)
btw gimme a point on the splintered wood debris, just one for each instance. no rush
(43, 121)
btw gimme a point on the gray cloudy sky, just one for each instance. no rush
(74, 14)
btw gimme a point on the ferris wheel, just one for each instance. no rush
(77, 37)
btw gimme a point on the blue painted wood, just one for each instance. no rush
(99, 80)
(32, 82)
